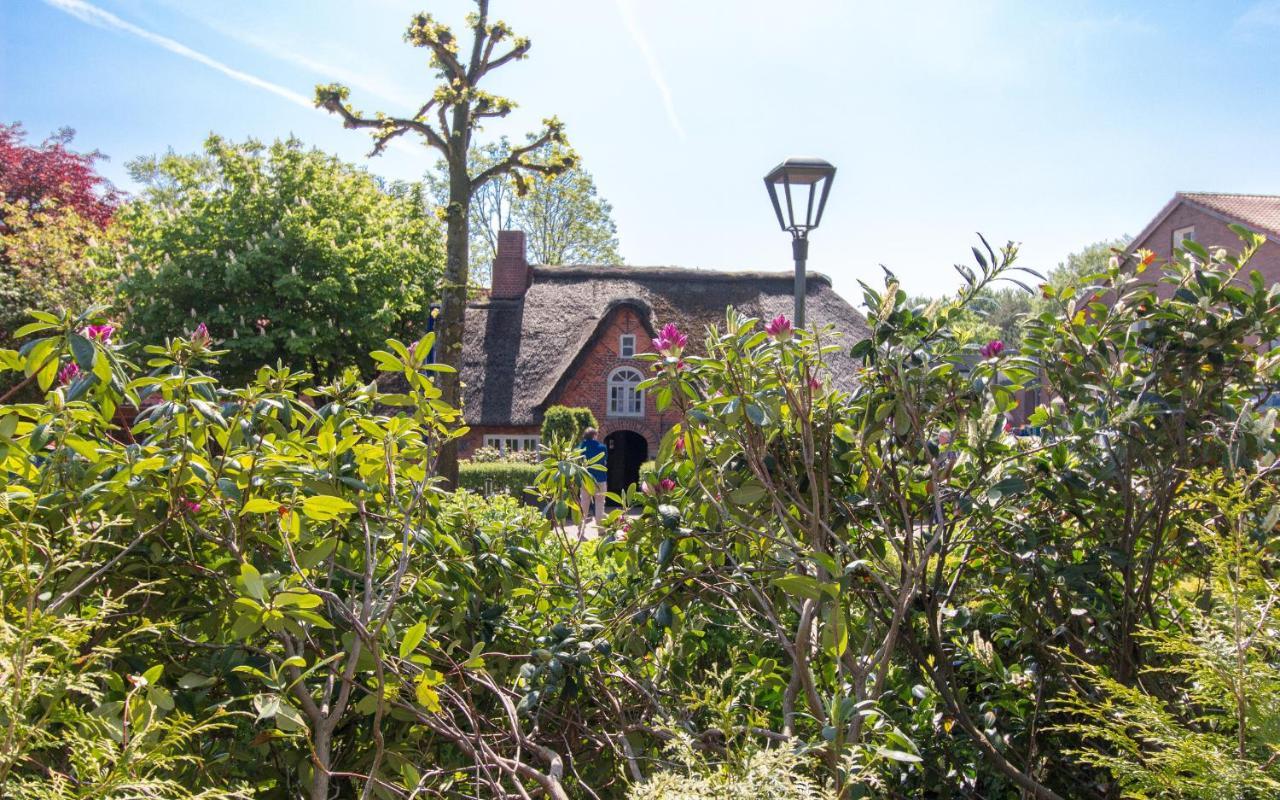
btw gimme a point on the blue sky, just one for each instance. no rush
(1052, 124)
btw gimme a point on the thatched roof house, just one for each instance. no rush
(568, 335)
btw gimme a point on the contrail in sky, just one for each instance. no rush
(86, 12)
(655, 71)
(91, 14)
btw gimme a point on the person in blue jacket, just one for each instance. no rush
(592, 447)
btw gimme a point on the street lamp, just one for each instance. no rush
(810, 180)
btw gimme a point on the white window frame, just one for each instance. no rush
(627, 345)
(628, 401)
(512, 442)
(1182, 234)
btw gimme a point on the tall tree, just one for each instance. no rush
(57, 248)
(52, 175)
(459, 108)
(284, 252)
(564, 219)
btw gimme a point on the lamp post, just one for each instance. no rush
(811, 180)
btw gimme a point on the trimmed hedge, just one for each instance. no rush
(498, 477)
(565, 423)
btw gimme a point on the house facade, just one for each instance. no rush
(570, 336)
(1204, 217)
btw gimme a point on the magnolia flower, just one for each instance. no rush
(992, 348)
(101, 333)
(670, 341)
(814, 383)
(190, 505)
(68, 372)
(201, 335)
(680, 445)
(779, 327)
(666, 485)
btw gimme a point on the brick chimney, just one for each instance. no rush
(511, 273)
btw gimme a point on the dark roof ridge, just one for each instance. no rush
(626, 272)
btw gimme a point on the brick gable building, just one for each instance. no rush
(569, 336)
(1205, 216)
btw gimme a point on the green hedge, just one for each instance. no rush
(563, 422)
(498, 477)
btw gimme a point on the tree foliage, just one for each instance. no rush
(286, 254)
(448, 122)
(51, 176)
(57, 247)
(563, 218)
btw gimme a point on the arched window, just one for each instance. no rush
(625, 400)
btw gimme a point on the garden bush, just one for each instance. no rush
(488, 455)
(249, 593)
(498, 477)
(564, 422)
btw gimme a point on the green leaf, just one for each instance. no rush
(259, 505)
(83, 351)
(194, 680)
(152, 675)
(267, 705)
(803, 586)
(427, 696)
(325, 507)
(412, 637)
(33, 327)
(297, 599)
(898, 755)
(252, 580)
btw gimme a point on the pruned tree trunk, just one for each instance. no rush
(453, 305)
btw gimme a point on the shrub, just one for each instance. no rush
(488, 455)
(564, 422)
(497, 477)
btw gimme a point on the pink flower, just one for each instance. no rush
(68, 372)
(666, 485)
(190, 505)
(100, 333)
(992, 348)
(814, 383)
(680, 445)
(779, 327)
(670, 341)
(201, 336)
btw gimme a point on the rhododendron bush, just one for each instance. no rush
(863, 580)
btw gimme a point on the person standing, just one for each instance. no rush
(592, 447)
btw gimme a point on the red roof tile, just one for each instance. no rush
(1258, 211)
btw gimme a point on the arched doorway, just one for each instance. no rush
(627, 451)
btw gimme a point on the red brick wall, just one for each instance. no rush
(588, 385)
(510, 269)
(1210, 232)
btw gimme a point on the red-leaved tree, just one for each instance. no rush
(50, 174)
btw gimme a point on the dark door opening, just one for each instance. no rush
(627, 451)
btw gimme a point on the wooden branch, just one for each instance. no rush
(354, 121)
(513, 54)
(512, 161)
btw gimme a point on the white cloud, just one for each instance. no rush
(271, 45)
(655, 71)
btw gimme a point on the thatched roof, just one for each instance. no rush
(516, 352)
